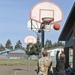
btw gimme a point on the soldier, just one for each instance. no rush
(44, 64)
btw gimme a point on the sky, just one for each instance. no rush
(14, 15)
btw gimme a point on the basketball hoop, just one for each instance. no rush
(46, 23)
(47, 20)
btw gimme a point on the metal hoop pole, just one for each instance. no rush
(42, 38)
(29, 58)
(46, 20)
(31, 24)
(37, 36)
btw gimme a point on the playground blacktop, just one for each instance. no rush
(17, 70)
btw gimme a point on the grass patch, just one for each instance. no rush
(25, 62)
(17, 62)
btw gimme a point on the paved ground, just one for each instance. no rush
(17, 70)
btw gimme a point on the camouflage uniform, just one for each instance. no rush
(44, 64)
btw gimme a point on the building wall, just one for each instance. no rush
(16, 55)
(69, 43)
(52, 53)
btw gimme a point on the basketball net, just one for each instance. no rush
(46, 22)
(48, 27)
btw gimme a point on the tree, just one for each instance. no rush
(34, 49)
(18, 45)
(60, 44)
(2, 47)
(48, 44)
(8, 44)
(57, 44)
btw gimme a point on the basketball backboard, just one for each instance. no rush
(32, 25)
(30, 40)
(46, 9)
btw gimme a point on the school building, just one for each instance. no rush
(68, 35)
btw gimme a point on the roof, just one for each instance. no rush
(68, 25)
(17, 51)
(12, 51)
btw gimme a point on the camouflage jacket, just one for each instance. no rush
(43, 64)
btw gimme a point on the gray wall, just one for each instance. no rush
(69, 42)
